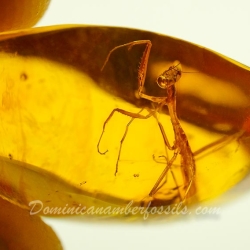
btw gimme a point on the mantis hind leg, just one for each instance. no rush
(173, 176)
(163, 174)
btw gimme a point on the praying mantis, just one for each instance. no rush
(166, 81)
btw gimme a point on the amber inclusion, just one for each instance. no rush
(55, 100)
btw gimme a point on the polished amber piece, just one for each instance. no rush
(13, 219)
(55, 100)
(20, 14)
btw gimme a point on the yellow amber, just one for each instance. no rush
(20, 14)
(12, 235)
(55, 100)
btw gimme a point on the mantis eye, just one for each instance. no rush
(170, 76)
(162, 82)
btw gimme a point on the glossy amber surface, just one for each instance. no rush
(36, 234)
(20, 14)
(55, 101)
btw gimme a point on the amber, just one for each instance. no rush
(20, 14)
(55, 100)
(13, 220)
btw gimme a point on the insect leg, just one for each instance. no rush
(172, 173)
(129, 45)
(142, 67)
(167, 144)
(220, 143)
(127, 113)
(122, 140)
(164, 172)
